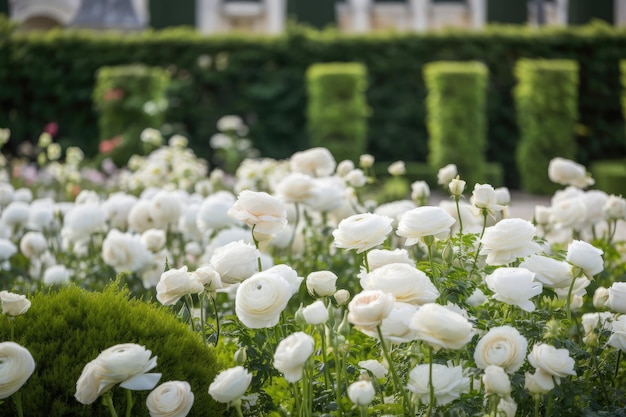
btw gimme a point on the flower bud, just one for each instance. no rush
(299, 316)
(315, 313)
(361, 392)
(456, 186)
(344, 326)
(241, 356)
(342, 297)
(600, 297)
(366, 161)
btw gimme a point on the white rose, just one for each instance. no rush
(566, 172)
(440, 327)
(593, 322)
(321, 283)
(375, 367)
(514, 286)
(503, 346)
(16, 366)
(292, 353)
(551, 360)
(446, 174)
(368, 309)
(170, 399)
(379, 257)
(174, 284)
(538, 383)
(614, 208)
(600, 297)
(260, 211)
(230, 385)
(569, 213)
(550, 272)
(362, 231)
(124, 251)
(424, 221)
(448, 383)
(496, 381)
(617, 297)
(153, 239)
(405, 282)
(33, 244)
(295, 188)
(484, 197)
(509, 240)
(56, 274)
(361, 392)
(618, 333)
(585, 256)
(14, 304)
(315, 313)
(317, 162)
(235, 261)
(395, 327)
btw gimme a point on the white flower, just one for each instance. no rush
(448, 383)
(617, 297)
(550, 272)
(375, 367)
(566, 172)
(397, 168)
(230, 385)
(614, 208)
(295, 188)
(208, 277)
(235, 261)
(456, 186)
(33, 244)
(317, 162)
(395, 210)
(368, 309)
(170, 399)
(56, 274)
(618, 333)
(229, 122)
(379, 257)
(503, 196)
(538, 383)
(356, 178)
(503, 346)
(213, 211)
(83, 221)
(569, 213)
(594, 201)
(424, 221)
(327, 194)
(361, 392)
(585, 256)
(366, 161)
(14, 304)
(555, 362)
(362, 231)
(174, 284)
(291, 355)
(341, 296)
(484, 197)
(405, 282)
(440, 327)
(514, 286)
(315, 313)
(260, 211)
(507, 407)
(496, 381)
(600, 297)
(124, 251)
(321, 283)
(139, 217)
(509, 240)
(16, 366)
(165, 209)
(395, 327)
(420, 191)
(446, 174)
(125, 364)
(153, 239)
(15, 215)
(344, 167)
(593, 322)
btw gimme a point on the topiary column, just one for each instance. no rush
(128, 99)
(337, 108)
(546, 98)
(456, 117)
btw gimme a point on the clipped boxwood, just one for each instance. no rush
(456, 116)
(66, 329)
(128, 99)
(337, 108)
(546, 97)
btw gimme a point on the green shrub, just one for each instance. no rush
(610, 176)
(65, 330)
(546, 98)
(129, 99)
(456, 117)
(337, 108)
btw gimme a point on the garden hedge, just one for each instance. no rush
(337, 108)
(456, 117)
(50, 77)
(546, 98)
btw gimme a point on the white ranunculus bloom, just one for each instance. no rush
(213, 211)
(614, 208)
(440, 327)
(617, 297)
(7, 193)
(484, 197)
(356, 178)
(16, 214)
(230, 385)
(569, 213)
(496, 381)
(41, 216)
(594, 201)
(368, 308)
(538, 383)
(140, 218)
(291, 355)
(366, 160)
(362, 231)
(397, 168)
(124, 251)
(446, 174)
(153, 239)
(165, 209)
(405, 282)
(600, 297)
(566, 172)
(552, 273)
(33, 245)
(56, 274)
(476, 298)
(125, 364)
(509, 240)
(361, 392)
(82, 221)
(341, 296)
(321, 283)
(328, 193)
(117, 208)
(379, 257)
(424, 221)
(456, 186)
(261, 298)
(317, 162)
(315, 313)
(514, 286)
(174, 284)
(14, 304)
(585, 256)
(395, 327)
(395, 210)
(420, 191)
(542, 215)
(618, 333)
(503, 346)
(448, 382)
(235, 261)
(259, 210)
(344, 167)
(376, 368)
(507, 406)
(170, 399)
(593, 322)
(556, 362)
(295, 188)
(16, 366)
(503, 196)
(470, 216)
(208, 277)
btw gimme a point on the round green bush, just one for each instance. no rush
(66, 329)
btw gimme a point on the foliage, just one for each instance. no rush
(610, 175)
(66, 328)
(546, 97)
(456, 116)
(337, 108)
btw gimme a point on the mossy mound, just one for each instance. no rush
(66, 329)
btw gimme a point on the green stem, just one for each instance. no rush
(619, 357)
(189, 304)
(366, 262)
(396, 381)
(107, 398)
(458, 211)
(217, 320)
(322, 330)
(17, 398)
(237, 405)
(363, 410)
(296, 398)
(568, 302)
(12, 329)
(129, 402)
(485, 213)
(596, 365)
(431, 386)
(293, 234)
(537, 399)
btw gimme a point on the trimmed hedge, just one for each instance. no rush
(546, 96)
(456, 117)
(337, 108)
(263, 79)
